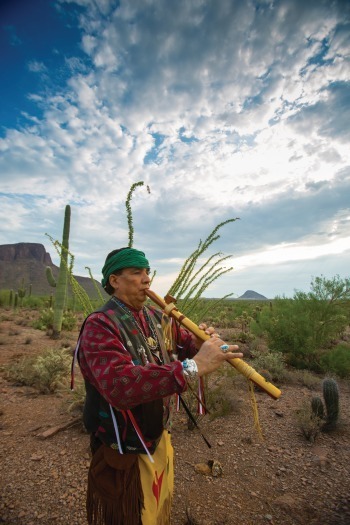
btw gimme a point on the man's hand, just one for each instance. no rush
(210, 355)
(208, 330)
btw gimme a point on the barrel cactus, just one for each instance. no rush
(326, 411)
(331, 399)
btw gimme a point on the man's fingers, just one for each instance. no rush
(233, 355)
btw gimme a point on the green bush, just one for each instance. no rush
(4, 298)
(301, 326)
(45, 321)
(337, 360)
(34, 301)
(287, 329)
(27, 301)
(44, 372)
(271, 363)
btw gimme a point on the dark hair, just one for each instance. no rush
(109, 289)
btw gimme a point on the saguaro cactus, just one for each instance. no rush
(22, 292)
(62, 281)
(49, 276)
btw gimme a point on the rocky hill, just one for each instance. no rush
(251, 295)
(28, 261)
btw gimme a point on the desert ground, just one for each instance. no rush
(280, 478)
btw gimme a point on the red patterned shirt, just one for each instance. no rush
(108, 366)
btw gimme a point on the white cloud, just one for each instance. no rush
(239, 109)
(36, 67)
(292, 252)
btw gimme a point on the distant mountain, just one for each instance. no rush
(250, 294)
(28, 261)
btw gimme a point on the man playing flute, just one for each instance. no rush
(131, 373)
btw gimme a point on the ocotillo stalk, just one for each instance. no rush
(61, 288)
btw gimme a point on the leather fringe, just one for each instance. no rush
(114, 495)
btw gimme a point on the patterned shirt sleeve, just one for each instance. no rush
(108, 366)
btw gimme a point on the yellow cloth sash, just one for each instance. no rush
(157, 481)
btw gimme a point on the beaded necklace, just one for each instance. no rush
(151, 341)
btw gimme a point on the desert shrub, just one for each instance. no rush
(337, 360)
(301, 326)
(75, 399)
(44, 372)
(288, 331)
(45, 321)
(69, 321)
(271, 363)
(245, 337)
(217, 402)
(309, 423)
(221, 401)
(66, 345)
(221, 393)
(4, 298)
(303, 377)
(34, 301)
(258, 329)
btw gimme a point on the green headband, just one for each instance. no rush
(127, 258)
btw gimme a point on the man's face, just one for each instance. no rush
(130, 286)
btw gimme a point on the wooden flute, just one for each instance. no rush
(169, 308)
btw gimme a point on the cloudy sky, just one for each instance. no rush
(223, 108)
